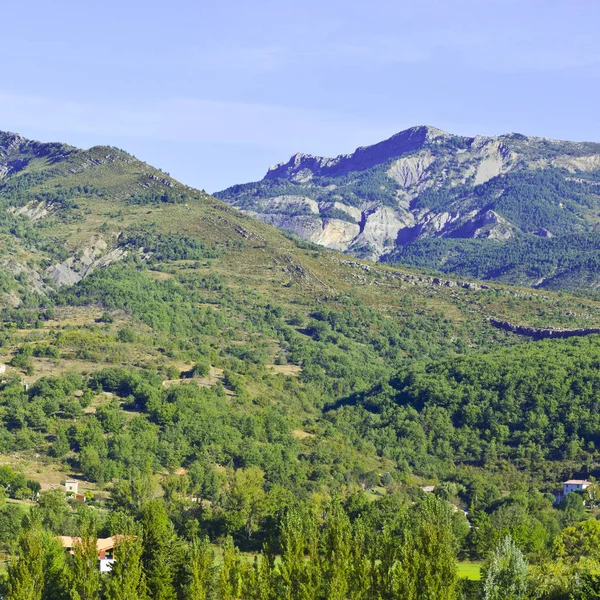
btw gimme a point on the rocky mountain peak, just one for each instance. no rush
(11, 143)
(301, 167)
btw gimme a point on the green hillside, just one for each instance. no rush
(202, 373)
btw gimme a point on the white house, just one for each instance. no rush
(575, 485)
(2, 369)
(71, 485)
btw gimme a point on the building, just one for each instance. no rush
(2, 369)
(104, 547)
(71, 485)
(572, 485)
(575, 485)
(106, 564)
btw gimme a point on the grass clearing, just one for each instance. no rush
(469, 570)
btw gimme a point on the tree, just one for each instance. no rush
(572, 508)
(54, 512)
(231, 576)
(127, 580)
(579, 540)
(360, 576)
(56, 574)
(201, 558)
(134, 493)
(85, 576)
(427, 568)
(299, 578)
(159, 549)
(505, 574)
(245, 500)
(61, 444)
(26, 574)
(336, 544)
(259, 581)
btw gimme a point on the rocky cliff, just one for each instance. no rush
(424, 184)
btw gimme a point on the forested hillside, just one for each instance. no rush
(222, 391)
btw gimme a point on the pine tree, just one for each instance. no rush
(26, 575)
(506, 573)
(127, 580)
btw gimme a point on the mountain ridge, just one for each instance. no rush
(384, 201)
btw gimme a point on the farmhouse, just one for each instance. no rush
(71, 485)
(575, 485)
(104, 547)
(572, 485)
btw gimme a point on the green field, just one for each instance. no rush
(469, 570)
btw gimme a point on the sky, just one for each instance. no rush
(216, 92)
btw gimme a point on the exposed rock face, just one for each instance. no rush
(78, 266)
(423, 183)
(409, 172)
(381, 189)
(35, 211)
(305, 166)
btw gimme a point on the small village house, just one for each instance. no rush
(572, 485)
(575, 485)
(72, 486)
(104, 547)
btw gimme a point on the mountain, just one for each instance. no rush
(204, 372)
(119, 284)
(514, 208)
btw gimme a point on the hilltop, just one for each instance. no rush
(514, 208)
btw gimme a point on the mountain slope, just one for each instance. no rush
(121, 285)
(391, 200)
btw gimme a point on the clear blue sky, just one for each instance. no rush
(215, 92)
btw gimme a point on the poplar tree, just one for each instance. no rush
(56, 572)
(506, 572)
(427, 568)
(201, 558)
(85, 575)
(336, 543)
(258, 581)
(158, 554)
(361, 571)
(298, 577)
(127, 580)
(26, 574)
(231, 576)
